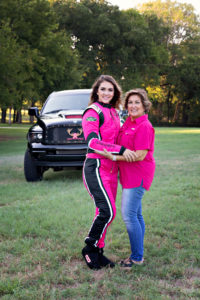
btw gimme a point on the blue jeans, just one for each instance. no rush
(132, 215)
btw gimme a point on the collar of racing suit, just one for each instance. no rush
(108, 105)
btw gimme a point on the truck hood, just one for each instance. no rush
(62, 117)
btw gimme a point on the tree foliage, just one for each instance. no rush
(62, 44)
(179, 83)
(42, 58)
(111, 41)
(10, 66)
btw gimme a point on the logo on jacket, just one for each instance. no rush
(75, 135)
(91, 119)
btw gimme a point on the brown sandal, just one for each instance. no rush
(128, 262)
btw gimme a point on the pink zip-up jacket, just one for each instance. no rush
(101, 125)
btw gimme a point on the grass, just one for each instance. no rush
(43, 226)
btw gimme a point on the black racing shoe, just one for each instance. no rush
(104, 261)
(91, 256)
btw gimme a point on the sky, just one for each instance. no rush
(125, 4)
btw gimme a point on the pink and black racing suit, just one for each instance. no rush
(101, 125)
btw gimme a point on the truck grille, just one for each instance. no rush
(60, 135)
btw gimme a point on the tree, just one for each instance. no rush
(183, 30)
(10, 66)
(48, 60)
(145, 42)
(111, 41)
(188, 85)
(179, 17)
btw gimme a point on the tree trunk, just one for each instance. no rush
(15, 116)
(184, 114)
(10, 116)
(32, 117)
(3, 115)
(168, 106)
(176, 113)
(19, 117)
(159, 113)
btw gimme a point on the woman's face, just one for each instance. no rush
(135, 107)
(105, 92)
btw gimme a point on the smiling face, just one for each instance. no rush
(105, 92)
(135, 107)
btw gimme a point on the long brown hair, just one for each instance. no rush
(116, 100)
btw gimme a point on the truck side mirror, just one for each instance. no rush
(33, 111)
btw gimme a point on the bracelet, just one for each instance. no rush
(114, 158)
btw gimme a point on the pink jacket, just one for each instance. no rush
(101, 125)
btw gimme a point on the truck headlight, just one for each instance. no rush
(35, 137)
(39, 136)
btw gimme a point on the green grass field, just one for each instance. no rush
(43, 225)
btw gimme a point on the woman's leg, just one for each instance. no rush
(97, 182)
(111, 184)
(132, 216)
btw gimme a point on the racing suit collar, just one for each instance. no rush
(108, 105)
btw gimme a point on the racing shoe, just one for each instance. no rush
(91, 256)
(104, 261)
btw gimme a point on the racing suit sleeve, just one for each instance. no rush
(90, 124)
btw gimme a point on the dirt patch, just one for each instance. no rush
(5, 138)
(76, 265)
(183, 286)
(3, 204)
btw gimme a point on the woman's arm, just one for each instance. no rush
(138, 155)
(141, 154)
(130, 155)
(90, 124)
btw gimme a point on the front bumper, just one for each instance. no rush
(58, 155)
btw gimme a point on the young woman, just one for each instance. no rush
(101, 125)
(137, 134)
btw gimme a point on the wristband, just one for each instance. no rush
(114, 158)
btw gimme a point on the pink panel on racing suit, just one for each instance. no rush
(106, 134)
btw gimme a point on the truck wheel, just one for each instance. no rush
(31, 171)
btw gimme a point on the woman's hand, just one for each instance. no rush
(105, 153)
(129, 155)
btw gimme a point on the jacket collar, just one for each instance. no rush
(140, 119)
(108, 105)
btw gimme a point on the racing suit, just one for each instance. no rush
(101, 125)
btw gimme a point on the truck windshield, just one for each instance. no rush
(58, 102)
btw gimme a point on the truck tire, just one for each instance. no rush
(31, 171)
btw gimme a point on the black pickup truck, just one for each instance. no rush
(56, 140)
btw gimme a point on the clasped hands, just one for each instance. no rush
(128, 155)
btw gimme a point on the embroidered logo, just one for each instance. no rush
(129, 131)
(91, 119)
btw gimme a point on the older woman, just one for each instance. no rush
(136, 134)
